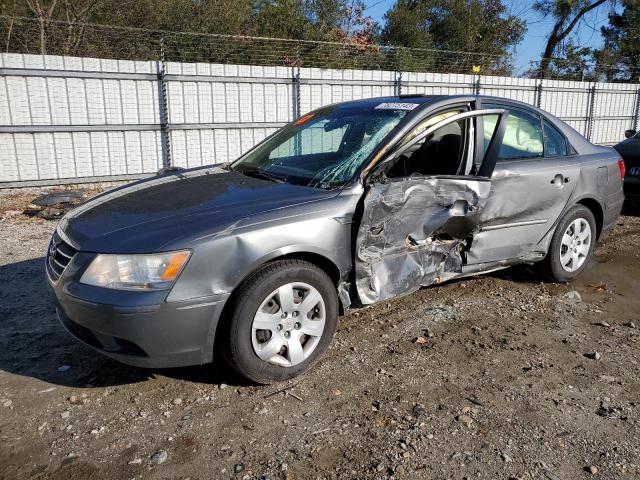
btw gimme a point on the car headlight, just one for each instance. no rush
(135, 272)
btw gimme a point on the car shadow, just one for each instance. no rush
(631, 206)
(34, 344)
(520, 274)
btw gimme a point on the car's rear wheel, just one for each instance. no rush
(572, 245)
(283, 318)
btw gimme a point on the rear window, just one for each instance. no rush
(555, 144)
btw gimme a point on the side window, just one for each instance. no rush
(439, 153)
(522, 136)
(555, 144)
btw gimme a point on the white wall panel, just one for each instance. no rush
(9, 171)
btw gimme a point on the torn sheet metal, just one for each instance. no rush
(414, 232)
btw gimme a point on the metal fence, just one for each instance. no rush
(69, 119)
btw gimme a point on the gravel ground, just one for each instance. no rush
(500, 376)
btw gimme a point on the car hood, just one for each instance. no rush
(147, 216)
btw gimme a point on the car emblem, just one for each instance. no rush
(52, 249)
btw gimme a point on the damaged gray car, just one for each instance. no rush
(351, 204)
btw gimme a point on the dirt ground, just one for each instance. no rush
(499, 384)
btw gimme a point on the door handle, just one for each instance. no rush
(559, 180)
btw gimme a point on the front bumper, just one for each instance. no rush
(136, 328)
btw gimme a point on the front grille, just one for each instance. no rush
(59, 255)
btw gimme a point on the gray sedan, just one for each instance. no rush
(349, 205)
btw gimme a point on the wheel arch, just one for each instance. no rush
(597, 210)
(318, 259)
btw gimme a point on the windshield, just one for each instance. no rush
(323, 149)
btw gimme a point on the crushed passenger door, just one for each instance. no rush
(414, 230)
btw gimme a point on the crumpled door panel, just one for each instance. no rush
(413, 233)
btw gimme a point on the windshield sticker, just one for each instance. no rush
(396, 106)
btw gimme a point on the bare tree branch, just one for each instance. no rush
(560, 31)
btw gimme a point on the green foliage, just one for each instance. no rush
(420, 35)
(575, 63)
(473, 26)
(566, 15)
(463, 25)
(407, 25)
(619, 58)
(65, 27)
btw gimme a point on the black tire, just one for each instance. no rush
(237, 345)
(551, 265)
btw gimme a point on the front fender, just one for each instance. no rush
(219, 264)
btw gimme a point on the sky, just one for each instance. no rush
(587, 34)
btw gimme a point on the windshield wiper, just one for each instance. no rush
(257, 173)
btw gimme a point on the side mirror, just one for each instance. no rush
(629, 133)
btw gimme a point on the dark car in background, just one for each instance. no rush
(350, 205)
(629, 150)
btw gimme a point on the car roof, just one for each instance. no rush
(365, 103)
(424, 99)
(576, 139)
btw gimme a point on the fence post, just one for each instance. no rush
(164, 108)
(592, 102)
(539, 94)
(477, 85)
(295, 107)
(295, 83)
(636, 115)
(398, 84)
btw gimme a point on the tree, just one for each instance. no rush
(46, 13)
(11, 8)
(462, 25)
(619, 58)
(477, 26)
(43, 13)
(355, 28)
(317, 20)
(232, 17)
(576, 63)
(75, 14)
(407, 24)
(324, 20)
(174, 15)
(567, 14)
(282, 19)
(326, 16)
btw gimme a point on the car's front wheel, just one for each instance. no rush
(283, 318)
(572, 245)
